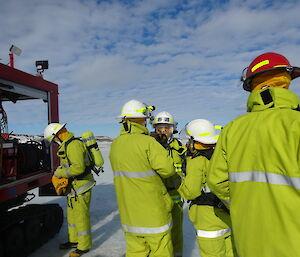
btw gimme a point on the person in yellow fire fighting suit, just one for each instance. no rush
(210, 217)
(74, 165)
(165, 126)
(255, 167)
(138, 162)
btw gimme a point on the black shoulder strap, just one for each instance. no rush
(180, 144)
(72, 139)
(297, 109)
(87, 168)
(126, 125)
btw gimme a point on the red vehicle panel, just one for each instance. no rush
(16, 85)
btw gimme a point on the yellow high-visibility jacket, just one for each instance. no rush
(73, 162)
(209, 221)
(256, 170)
(138, 162)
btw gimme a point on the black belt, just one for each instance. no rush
(209, 199)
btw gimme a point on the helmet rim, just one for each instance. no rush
(295, 73)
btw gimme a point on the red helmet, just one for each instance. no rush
(267, 62)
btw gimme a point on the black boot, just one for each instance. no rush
(78, 253)
(68, 245)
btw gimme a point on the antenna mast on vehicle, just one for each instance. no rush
(13, 50)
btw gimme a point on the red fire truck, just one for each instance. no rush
(26, 166)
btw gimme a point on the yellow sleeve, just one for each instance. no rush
(218, 178)
(76, 156)
(160, 160)
(191, 185)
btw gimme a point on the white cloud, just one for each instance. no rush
(185, 58)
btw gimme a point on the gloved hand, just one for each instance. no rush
(60, 184)
(58, 172)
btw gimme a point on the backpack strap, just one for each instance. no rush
(87, 170)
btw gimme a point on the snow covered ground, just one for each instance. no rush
(108, 238)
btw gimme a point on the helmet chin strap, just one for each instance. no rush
(59, 142)
(170, 138)
(191, 143)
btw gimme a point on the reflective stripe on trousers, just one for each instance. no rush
(212, 234)
(83, 188)
(84, 233)
(135, 174)
(145, 230)
(266, 177)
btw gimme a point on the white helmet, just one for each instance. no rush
(165, 118)
(136, 109)
(51, 130)
(202, 131)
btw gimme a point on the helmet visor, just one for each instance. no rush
(164, 120)
(247, 81)
(164, 128)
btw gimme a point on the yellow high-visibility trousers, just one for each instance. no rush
(78, 216)
(145, 246)
(216, 247)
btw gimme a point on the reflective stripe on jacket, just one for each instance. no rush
(212, 234)
(138, 163)
(255, 167)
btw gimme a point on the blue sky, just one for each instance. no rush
(183, 56)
